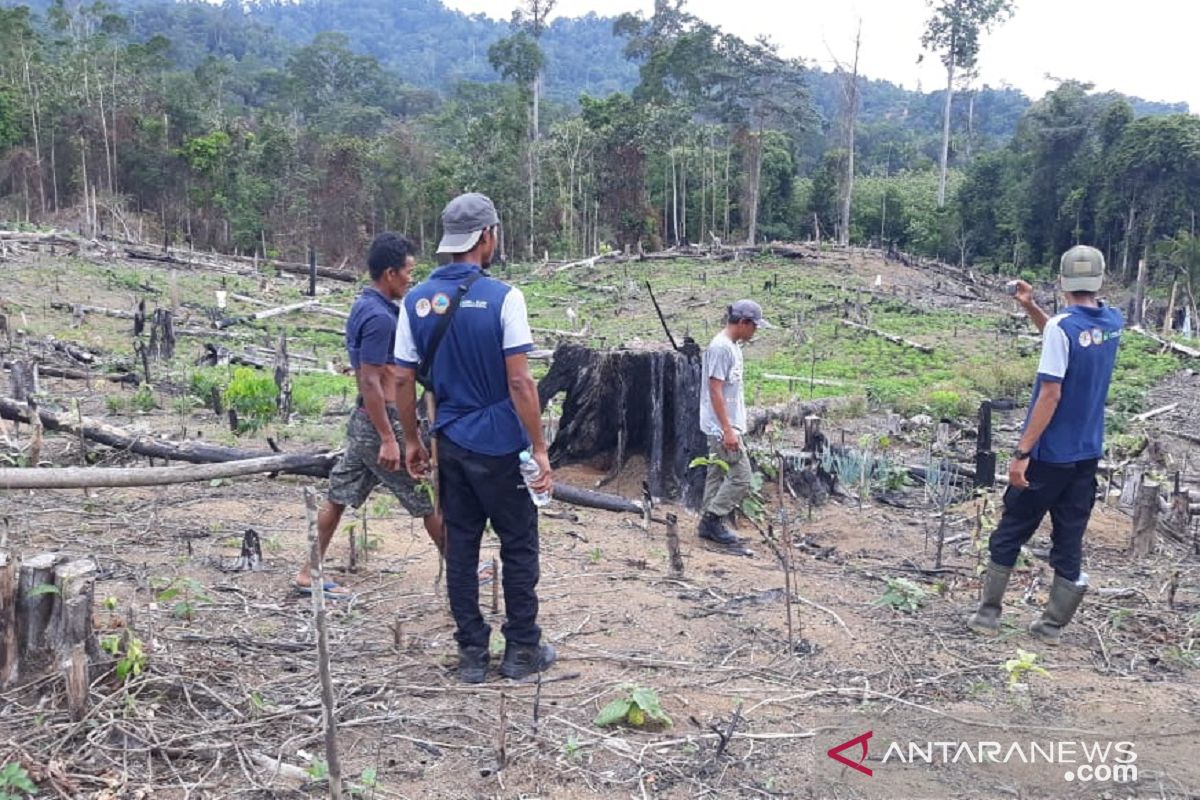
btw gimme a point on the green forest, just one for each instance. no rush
(273, 126)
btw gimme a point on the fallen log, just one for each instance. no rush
(1175, 347)
(78, 375)
(266, 314)
(124, 477)
(1150, 414)
(924, 348)
(194, 452)
(79, 308)
(575, 496)
(192, 259)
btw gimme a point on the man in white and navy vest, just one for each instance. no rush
(1054, 466)
(487, 413)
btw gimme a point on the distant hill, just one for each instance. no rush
(430, 46)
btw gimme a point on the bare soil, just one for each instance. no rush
(754, 713)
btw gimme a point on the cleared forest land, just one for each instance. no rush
(225, 699)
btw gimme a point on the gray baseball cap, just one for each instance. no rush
(748, 309)
(1081, 269)
(463, 219)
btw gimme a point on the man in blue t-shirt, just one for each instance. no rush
(487, 412)
(373, 454)
(1053, 468)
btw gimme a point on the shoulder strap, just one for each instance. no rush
(425, 371)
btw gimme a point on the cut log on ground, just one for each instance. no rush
(620, 403)
(1174, 347)
(79, 308)
(193, 452)
(924, 348)
(118, 477)
(1155, 412)
(80, 375)
(266, 314)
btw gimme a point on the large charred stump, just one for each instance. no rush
(45, 616)
(622, 402)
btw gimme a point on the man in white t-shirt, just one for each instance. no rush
(723, 421)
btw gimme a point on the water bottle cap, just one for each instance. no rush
(525, 456)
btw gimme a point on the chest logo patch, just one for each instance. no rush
(1097, 337)
(1085, 339)
(441, 303)
(423, 308)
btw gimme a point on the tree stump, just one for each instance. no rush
(22, 380)
(1145, 520)
(162, 335)
(985, 457)
(283, 380)
(45, 616)
(621, 402)
(1129, 486)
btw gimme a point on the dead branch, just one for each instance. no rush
(924, 348)
(195, 452)
(99, 477)
(1182, 350)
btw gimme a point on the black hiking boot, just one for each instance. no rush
(472, 664)
(521, 660)
(712, 529)
(719, 538)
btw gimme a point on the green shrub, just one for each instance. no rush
(948, 404)
(204, 379)
(143, 399)
(312, 392)
(252, 395)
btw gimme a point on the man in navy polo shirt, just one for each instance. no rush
(373, 454)
(1054, 466)
(487, 412)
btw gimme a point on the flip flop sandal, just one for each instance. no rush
(329, 588)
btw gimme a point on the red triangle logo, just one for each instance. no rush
(836, 753)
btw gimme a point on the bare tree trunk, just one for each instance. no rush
(755, 185)
(34, 124)
(941, 198)
(674, 198)
(851, 119)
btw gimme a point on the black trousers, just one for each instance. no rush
(475, 489)
(1068, 492)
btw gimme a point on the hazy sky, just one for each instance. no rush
(1148, 49)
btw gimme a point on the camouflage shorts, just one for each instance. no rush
(358, 472)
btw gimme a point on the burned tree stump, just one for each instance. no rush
(985, 457)
(283, 380)
(23, 380)
(620, 403)
(162, 335)
(45, 616)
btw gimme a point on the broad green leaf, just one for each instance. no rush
(614, 712)
(43, 589)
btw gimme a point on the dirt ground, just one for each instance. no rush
(228, 703)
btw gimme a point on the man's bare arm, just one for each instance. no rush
(405, 387)
(373, 382)
(523, 391)
(716, 394)
(1024, 297)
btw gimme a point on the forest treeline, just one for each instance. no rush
(271, 126)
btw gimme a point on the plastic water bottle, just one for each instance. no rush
(530, 472)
